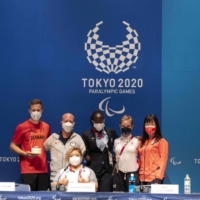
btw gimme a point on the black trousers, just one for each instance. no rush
(104, 180)
(121, 181)
(37, 182)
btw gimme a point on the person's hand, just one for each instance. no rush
(30, 154)
(64, 181)
(139, 137)
(87, 158)
(114, 158)
(82, 180)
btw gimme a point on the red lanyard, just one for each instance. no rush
(100, 136)
(95, 131)
(122, 149)
(79, 173)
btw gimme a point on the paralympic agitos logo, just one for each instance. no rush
(109, 112)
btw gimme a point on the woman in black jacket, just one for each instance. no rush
(99, 144)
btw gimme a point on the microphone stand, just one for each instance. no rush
(141, 186)
(58, 186)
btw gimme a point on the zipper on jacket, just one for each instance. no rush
(145, 159)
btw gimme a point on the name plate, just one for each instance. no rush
(7, 186)
(81, 187)
(164, 189)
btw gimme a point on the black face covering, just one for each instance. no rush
(126, 130)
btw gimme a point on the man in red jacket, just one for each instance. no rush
(28, 136)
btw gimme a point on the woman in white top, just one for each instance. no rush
(75, 172)
(126, 155)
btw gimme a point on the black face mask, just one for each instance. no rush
(126, 130)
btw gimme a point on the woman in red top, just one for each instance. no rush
(153, 152)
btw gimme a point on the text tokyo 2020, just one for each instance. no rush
(112, 83)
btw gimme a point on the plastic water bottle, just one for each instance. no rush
(187, 184)
(132, 183)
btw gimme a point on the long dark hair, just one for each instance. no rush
(158, 134)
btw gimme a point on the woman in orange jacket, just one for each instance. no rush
(153, 152)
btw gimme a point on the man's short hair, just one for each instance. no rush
(35, 101)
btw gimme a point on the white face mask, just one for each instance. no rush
(36, 115)
(99, 126)
(75, 160)
(67, 126)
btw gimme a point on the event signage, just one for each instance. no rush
(78, 58)
(81, 187)
(112, 60)
(164, 189)
(7, 186)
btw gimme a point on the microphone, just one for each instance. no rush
(141, 186)
(58, 186)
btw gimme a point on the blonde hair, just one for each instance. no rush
(125, 118)
(68, 154)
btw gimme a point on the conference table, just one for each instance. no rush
(50, 195)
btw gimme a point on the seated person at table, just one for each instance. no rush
(75, 172)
